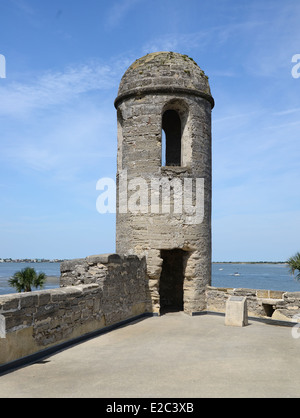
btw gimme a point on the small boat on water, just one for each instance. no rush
(236, 274)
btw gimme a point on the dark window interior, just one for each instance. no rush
(171, 150)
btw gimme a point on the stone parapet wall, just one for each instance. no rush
(33, 321)
(103, 290)
(122, 279)
(96, 292)
(277, 305)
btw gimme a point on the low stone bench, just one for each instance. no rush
(236, 311)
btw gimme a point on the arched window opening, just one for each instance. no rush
(171, 144)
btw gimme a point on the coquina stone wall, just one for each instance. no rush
(122, 280)
(96, 292)
(271, 304)
(103, 290)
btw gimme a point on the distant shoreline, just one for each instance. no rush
(249, 262)
(52, 279)
(30, 260)
(9, 260)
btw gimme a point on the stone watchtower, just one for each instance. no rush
(164, 177)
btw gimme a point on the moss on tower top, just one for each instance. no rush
(166, 70)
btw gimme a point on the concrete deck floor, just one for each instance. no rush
(172, 356)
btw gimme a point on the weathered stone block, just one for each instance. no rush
(69, 265)
(29, 299)
(2, 327)
(244, 292)
(43, 297)
(262, 293)
(101, 258)
(9, 302)
(236, 311)
(292, 295)
(276, 294)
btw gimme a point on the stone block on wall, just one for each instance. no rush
(236, 311)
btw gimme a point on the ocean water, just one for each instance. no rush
(252, 276)
(7, 270)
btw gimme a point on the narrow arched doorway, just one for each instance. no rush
(171, 280)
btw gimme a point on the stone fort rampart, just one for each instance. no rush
(100, 292)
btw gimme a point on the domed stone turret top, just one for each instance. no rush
(164, 72)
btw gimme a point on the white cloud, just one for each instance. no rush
(287, 112)
(273, 47)
(175, 42)
(56, 126)
(201, 40)
(55, 88)
(64, 143)
(23, 6)
(118, 12)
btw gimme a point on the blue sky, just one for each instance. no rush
(58, 134)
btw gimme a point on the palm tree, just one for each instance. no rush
(294, 264)
(24, 279)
